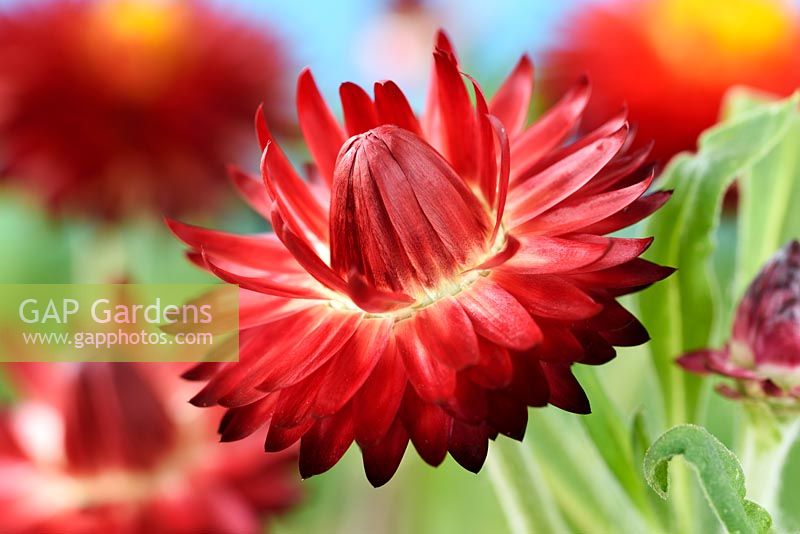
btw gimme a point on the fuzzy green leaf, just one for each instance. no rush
(718, 470)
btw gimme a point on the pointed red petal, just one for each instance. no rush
(529, 384)
(306, 256)
(201, 372)
(560, 344)
(444, 44)
(508, 415)
(295, 402)
(432, 379)
(696, 362)
(468, 403)
(251, 190)
(280, 438)
(258, 348)
(498, 316)
(634, 213)
(633, 274)
(565, 391)
(559, 181)
(510, 103)
(293, 195)
(279, 370)
(359, 111)
(447, 333)
(549, 296)
(596, 350)
(263, 134)
(549, 131)
(431, 119)
(296, 287)
(238, 423)
(494, 369)
(542, 255)
(323, 134)
(487, 158)
(263, 251)
(620, 250)
(393, 108)
(623, 171)
(576, 213)
(372, 299)
(457, 118)
(376, 403)
(503, 177)
(512, 246)
(382, 459)
(604, 130)
(429, 427)
(351, 367)
(469, 445)
(325, 443)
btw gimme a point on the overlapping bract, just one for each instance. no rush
(672, 61)
(110, 108)
(435, 275)
(99, 448)
(763, 355)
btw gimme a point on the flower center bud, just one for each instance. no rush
(136, 45)
(734, 31)
(142, 23)
(401, 218)
(766, 332)
(115, 420)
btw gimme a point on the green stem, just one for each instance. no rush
(681, 479)
(763, 460)
(520, 489)
(683, 498)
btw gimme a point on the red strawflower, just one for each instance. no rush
(435, 277)
(673, 60)
(763, 354)
(113, 107)
(95, 448)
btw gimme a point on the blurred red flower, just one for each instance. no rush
(435, 277)
(96, 448)
(113, 107)
(763, 354)
(672, 61)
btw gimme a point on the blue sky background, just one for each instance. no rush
(324, 33)
(490, 35)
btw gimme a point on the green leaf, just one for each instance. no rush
(718, 470)
(588, 494)
(768, 194)
(521, 490)
(32, 246)
(610, 433)
(640, 437)
(680, 312)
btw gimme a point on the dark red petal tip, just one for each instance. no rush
(469, 445)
